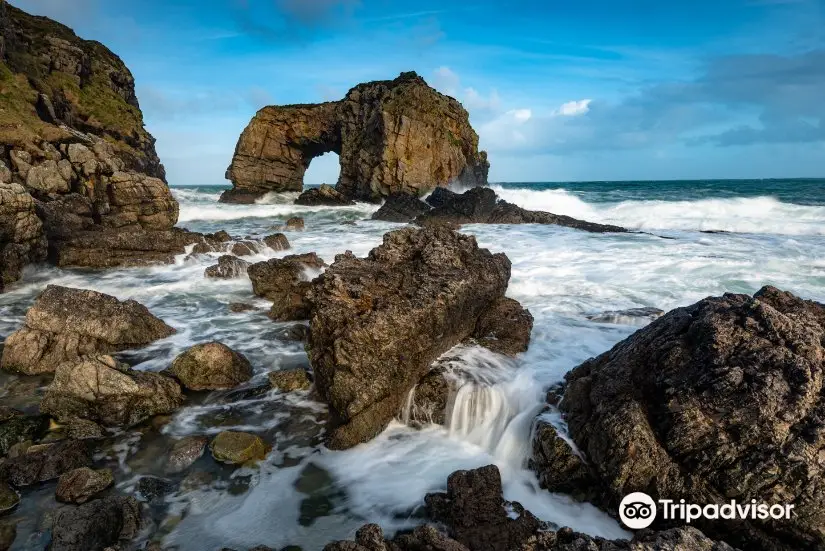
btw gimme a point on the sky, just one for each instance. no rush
(557, 90)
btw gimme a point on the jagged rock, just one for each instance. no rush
(391, 136)
(401, 207)
(429, 399)
(22, 240)
(560, 468)
(8, 498)
(45, 463)
(296, 332)
(505, 328)
(96, 525)
(185, 452)
(103, 390)
(378, 323)
(277, 241)
(228, 267)
(237, 448)
(17, 428)
(80, 485)
(296, 223)
(211, 366)
(481, 206)
(65, 323)
(718, 400)
(285, 281)
(290, 380)
(323, 196)
(244, 248)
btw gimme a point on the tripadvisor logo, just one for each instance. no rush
(638, 510)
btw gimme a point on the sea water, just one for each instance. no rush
(695, 239)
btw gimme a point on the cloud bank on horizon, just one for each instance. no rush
(591, 90)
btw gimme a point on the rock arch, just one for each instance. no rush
(398, 135)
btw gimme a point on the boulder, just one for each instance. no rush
(719, 400)
(296, 223)
(379, 322)
(228, 267)
(277, 241)
(103, 390)
(44, 463)
(65, 323)
(96, 525)
(8, 498)
(504, 328)
(244, 248)
(392, 136)
(154, 489)
(481, 206)
(323, 196)
(237, 448)
(22, 240)
(17, 428)
(290, 380)
(185, 452)
(285, 281)
(559, 465)
(211, 366)
(80, 485)
(401, 207)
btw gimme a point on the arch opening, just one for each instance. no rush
(323, 169)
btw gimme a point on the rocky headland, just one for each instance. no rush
(391, 136)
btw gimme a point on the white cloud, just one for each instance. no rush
(446, 80)
(474, 101)
(573, 108)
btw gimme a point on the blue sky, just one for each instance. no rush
(558, 90)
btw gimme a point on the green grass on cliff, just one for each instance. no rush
(19, 122)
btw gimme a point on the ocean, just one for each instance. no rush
(694, 239)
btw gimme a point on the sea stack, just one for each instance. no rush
(392, 136)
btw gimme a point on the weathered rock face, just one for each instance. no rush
(719, 400)
(237, 448)
(72, 135)
(46, 463)
(482, 206)
(418, 295)
(228, 267)
(391, 136)
(401, 207)
(211, 366)
(289, 380)
(103, 390)
(99, 524)
(286, 282)
(477, 518)
(65, 323)
(323, 196)
(22, 240)
(80, 485)
(505, 328)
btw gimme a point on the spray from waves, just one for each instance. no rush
(740, 215)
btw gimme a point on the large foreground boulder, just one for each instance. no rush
(379, 322)
(721, 400)
(286, 282)
(45, 462)
(211, 366)
(391, 136)
(481, 206)
(103, 390)
(472, 515)
(96, 525)
(65, 323)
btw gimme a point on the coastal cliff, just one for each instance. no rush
(392, 136)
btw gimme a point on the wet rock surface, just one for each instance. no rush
(290, 380)
(211, 366)
(480, 205)
(401, 207)
(8, 498)
(18, 428)
(97, 525)
(286, 282)
(718, 400)
(103, 390)
(46, 463)
(185, 452)
(228, 267)
(237, 448)
(504, 328)
(323, 196)
(65, 323)
(80, 485)
(420, 293)
(391, 136)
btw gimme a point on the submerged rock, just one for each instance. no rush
(418, 295)
(290, 380)
(96, 525)
(401, 207)
(323, 196)
(80, 485)
(45, 463)
(391, 136)
(8, 498)
(296, 223)
(228, 267)
(481, 206)
(631, 316)
(286, 282)
(17, 428)
(65, 324)
(103, 390)
(237, 448)
(185, 452)
(718, 400)
(211, 366)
